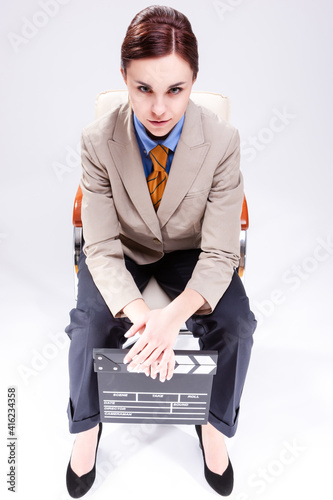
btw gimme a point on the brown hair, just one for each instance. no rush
(159, 31)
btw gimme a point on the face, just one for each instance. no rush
(159, 90)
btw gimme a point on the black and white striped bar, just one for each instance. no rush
(135, 398)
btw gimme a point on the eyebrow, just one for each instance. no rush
(171, 86)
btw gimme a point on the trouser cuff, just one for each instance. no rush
(81, 425)
(226, 429)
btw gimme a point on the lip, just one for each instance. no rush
(159, 123)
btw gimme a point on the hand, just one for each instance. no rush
(158, 329)
(153, 352)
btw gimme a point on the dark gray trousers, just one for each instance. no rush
(228, 329)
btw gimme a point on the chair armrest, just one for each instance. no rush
(77, 222)
(244, 216)
(243, 238)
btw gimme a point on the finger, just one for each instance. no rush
(148, 355)
(144, 358)
(139, 325)
(134, 351)
(171, 367)
(163, 369)
(154, 369)
(146, 371)
(160, 366)
(166, 366)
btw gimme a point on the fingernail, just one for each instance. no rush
(130, 368)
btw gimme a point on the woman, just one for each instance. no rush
(162, 196)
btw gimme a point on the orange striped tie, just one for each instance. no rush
(158, 177)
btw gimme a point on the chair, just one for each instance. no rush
(105, 101)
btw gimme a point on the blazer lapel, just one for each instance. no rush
(188, 160)
(126, 156)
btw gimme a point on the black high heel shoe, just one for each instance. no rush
(222, 484)
(79, 486)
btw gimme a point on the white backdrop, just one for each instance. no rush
(274, 60)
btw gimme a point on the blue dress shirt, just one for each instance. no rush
(146, 144)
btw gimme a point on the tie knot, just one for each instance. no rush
(159, 156)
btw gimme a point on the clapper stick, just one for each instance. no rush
(135, 398)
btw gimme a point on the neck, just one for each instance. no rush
(157, 137)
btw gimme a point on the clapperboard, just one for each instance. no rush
(135, 398)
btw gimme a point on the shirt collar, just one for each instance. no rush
(170, 142)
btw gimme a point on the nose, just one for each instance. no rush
(158, 106)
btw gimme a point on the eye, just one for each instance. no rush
(144, 89)
(175, 90)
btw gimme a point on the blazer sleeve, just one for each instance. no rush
(220, 229)
(105, 257)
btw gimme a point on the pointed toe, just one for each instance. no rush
(222, 484)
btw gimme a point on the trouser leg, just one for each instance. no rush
(91, 326)
(228, 330)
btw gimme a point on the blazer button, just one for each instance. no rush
(157, 241)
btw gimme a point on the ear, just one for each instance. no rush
(123, 75)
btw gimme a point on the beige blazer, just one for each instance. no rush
(200, 208)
